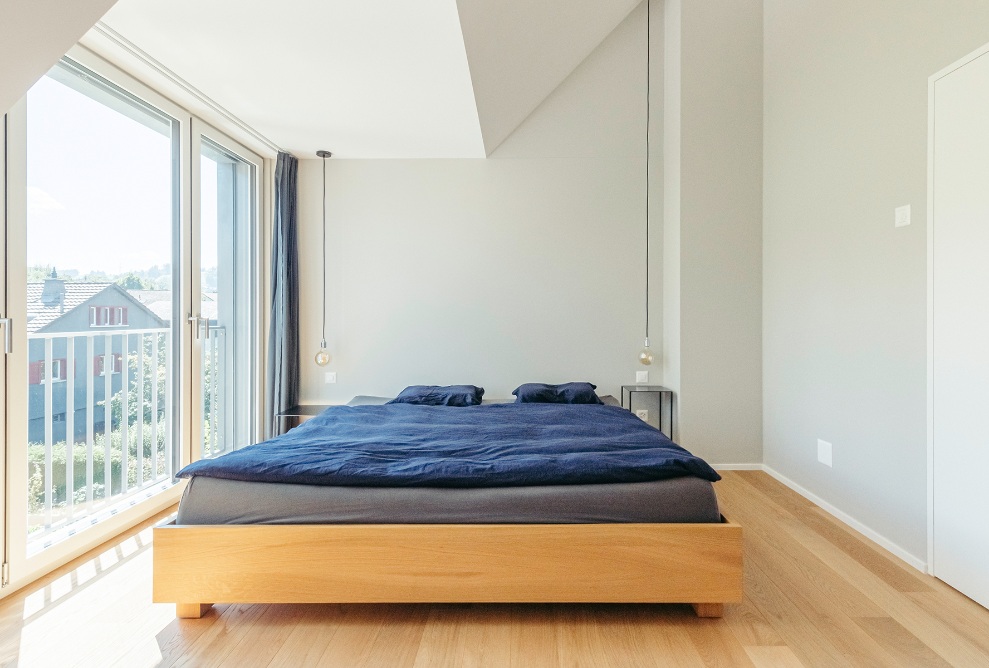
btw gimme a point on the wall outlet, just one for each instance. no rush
(901, 216)
(642, 415)
(330, 377)
(641, 376)
(824, 452)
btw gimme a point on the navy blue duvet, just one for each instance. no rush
(497, 445)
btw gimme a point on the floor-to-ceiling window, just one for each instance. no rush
(227, 309)
(131, 288)
(102, 220)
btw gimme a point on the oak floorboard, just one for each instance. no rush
(957, 611)
(950, 645)
(664, 635)
(895, 572)
(817, 593)
(773, 657)
(900, 643)
(763, 540)
(717, 645)
(311, 635)
(353, 642)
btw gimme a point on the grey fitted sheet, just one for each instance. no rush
(217, 501)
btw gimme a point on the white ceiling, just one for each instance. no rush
(34, 34)
(378, 78)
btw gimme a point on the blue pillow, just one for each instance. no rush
(568, 393)
(437, 395)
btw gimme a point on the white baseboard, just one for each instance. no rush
(844, 517)
(841, 516)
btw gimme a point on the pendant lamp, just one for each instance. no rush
(323, 356)
(645, 355)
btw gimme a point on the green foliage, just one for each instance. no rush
(36, 466)
(132, 281)
(153, 381)
(38, 273)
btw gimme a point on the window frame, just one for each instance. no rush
(185, 105)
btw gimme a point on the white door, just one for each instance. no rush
(960, 333)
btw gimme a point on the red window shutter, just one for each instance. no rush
(97, 365)
(118, 363)
(34, 373)
(125, 316)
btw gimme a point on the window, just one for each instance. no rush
(37, 373)
(107, 316)
(99, 364)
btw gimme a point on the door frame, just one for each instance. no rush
(200, 129)
(4, 506)
(932, 80)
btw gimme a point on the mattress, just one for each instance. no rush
(674, 500)
(218, 501)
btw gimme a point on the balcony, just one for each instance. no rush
(81, 385)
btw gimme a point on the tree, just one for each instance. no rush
(132, 281)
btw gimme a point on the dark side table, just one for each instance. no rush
(655, 399)
(296, 415)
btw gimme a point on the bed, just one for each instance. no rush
(263, 526)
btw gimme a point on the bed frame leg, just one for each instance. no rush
(191, 610)
(709, 609)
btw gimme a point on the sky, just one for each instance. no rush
(99, 187)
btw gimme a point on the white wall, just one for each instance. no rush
(527, 266)
(713, 221)
(34, 34)
(844, 292)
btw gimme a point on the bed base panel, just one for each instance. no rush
(197, 565)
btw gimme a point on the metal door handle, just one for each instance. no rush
(200, 323)
(194, 319)
(6, 323)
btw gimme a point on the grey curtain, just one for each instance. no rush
(282, 377)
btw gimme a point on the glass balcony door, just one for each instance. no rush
(225, 280)
(93, 423)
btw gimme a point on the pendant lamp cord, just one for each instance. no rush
(648, 104)
(324, 252)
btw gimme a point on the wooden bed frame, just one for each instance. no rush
(196, 566)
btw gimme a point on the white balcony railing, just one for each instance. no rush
(100, 426)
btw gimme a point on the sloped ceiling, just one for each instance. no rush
(373, 79)
(520, 50)
(34, 34)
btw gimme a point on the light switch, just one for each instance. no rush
(330, 377)
(902, 216)
(824, 452)
(641, 376)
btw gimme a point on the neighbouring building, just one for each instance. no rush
(80, 336)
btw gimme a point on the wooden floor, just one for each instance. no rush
(817, 594)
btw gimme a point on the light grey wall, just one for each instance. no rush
(844, 291)
(34, 34)
(713, 225)
(527, 266)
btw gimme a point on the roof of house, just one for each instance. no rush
(41, 315)
(160, 303)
